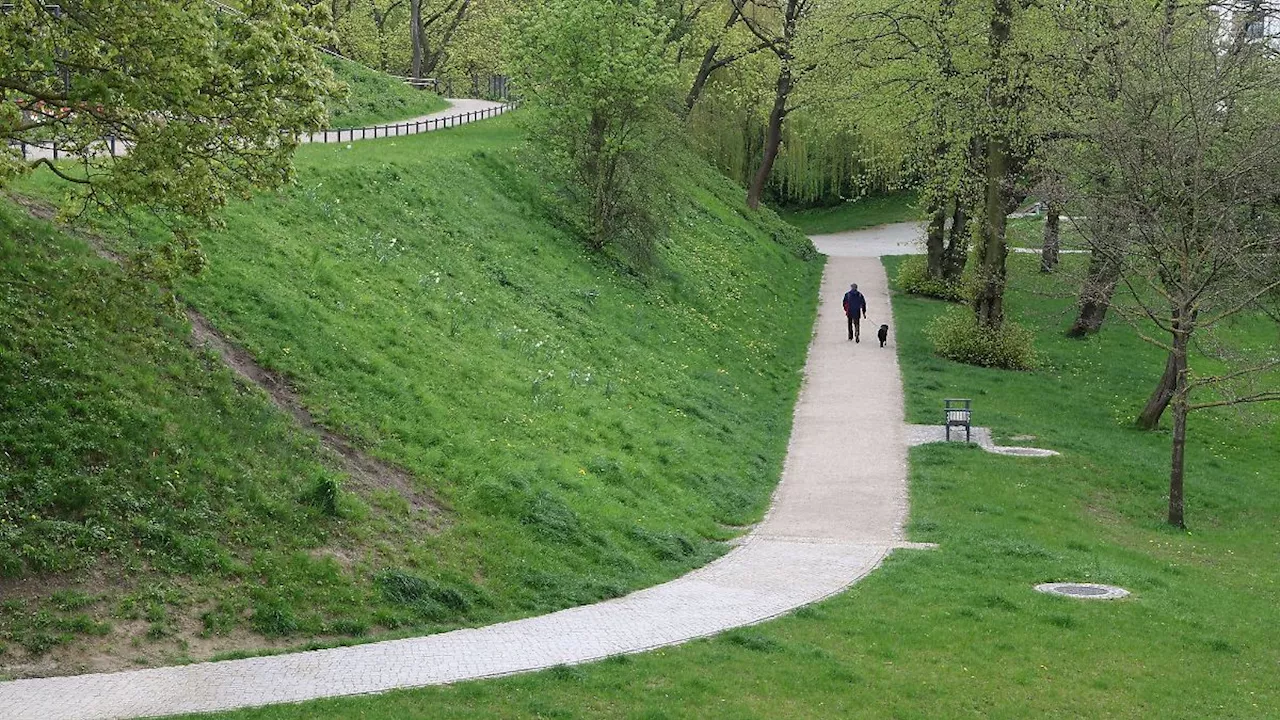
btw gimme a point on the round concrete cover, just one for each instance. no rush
(1084, 591)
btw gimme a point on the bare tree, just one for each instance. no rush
(1181, 178)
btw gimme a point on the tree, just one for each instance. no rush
(209, 103)
(777, 24)
(716, 55)
(1181, 179)
(602, 87)
(444, 19)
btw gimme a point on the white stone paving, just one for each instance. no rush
(838, 511)
(928, 434)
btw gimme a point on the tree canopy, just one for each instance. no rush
(209, 102)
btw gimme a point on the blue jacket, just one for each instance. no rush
(855, 304)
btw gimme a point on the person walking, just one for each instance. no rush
(855, 308)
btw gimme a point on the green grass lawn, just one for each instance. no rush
(1029, 233)
(581, 431)
(375, 98)
(856, 214)
(958, 631)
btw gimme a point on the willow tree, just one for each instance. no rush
(209, 103)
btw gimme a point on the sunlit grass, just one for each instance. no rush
(584, 430)
(958, 631)
(857, 214)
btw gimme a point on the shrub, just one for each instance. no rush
(325, 495)
(913, 278)
(957, 336)
(428, 598)
(273, 618)
(601, 85)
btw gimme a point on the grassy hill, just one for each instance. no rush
(376, 98)
(958, 631)
(572, 431)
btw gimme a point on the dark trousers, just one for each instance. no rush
(854, 330)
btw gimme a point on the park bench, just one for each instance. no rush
(957, 411)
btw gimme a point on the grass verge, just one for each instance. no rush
(375, 98)
(856, 214)
(958, 631)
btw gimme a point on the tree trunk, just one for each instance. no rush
(432, 60)
(992, 252)
(415, 36)
(934, 239)
(709, 64)
(956, 254)
(700, 80)
(773, 136)
(988, 301)
(1181, 407)
(1096, 293)
(1049, 254)
(1149, 418)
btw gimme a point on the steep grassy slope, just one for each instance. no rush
(580, 431)
(958, 632)
(135, 476)
(375, 97)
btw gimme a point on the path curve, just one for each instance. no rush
(460, 112)
(905, 238)
(837, 512)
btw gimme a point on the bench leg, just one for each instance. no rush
(966, 433)
(948, 432)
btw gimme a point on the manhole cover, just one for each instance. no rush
(1085, 591)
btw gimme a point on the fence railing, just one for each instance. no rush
(373, 132)
(53, 150)
(117, 148)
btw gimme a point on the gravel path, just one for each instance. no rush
(838, 511)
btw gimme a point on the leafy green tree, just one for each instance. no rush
(210, 103)
(968, 93)
(778, 25)
(432, 32)
(603, 89)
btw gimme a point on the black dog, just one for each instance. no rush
(883, 334)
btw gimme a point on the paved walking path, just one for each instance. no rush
(838, 511)
(460, 112)
(895, 239)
